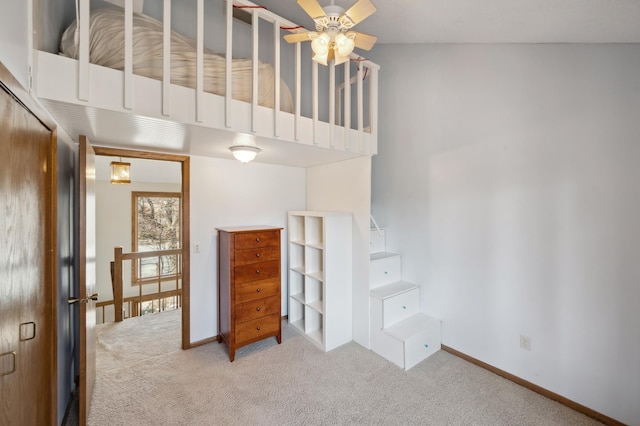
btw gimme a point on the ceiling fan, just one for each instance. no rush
(333, 38)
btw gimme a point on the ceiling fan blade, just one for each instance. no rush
(360, 11)
(364, 41)
(312, 7)
(297, 37)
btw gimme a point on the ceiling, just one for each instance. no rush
(489, 21)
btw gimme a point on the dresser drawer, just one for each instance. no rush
(255, 255)
(257, 308)
(254, 290)
(257, 328)
(257, 271)
(257, 239)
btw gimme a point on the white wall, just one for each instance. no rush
(507, 177)
(14, 39)
(346, 186)
(228, 193)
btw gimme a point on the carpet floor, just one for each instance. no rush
(144, 378)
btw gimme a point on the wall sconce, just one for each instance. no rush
(120, 172)
(244, 153)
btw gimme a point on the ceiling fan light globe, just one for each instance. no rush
(344, 45)
(321, 59)
(339, 59)
(320, 44)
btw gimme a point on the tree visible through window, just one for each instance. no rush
(156, 226)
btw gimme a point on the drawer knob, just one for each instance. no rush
(258, 309)
(258, 290)
(257, 240)
(257, 271)
(257, 254)
(258, 328)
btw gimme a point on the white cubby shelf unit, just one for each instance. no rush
(320, 276)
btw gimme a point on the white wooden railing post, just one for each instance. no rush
(200, 61)
(228, 65)
(276, 67)
(373, 110)
(314, 99)
(128, 54)
(255, 20)
(83, 51)
(339, 103)
(347, 105)
(332, 103)
(166, 58)
(359, 82)
(298, 81)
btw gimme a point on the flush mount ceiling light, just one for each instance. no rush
(332, 38)
(120, 172)
(244, 153)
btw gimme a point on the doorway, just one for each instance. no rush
(183, 163)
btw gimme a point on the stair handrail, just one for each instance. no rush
(375, 224)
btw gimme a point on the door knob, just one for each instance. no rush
(94, 296)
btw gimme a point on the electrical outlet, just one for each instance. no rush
(525, 342)
(196, 247)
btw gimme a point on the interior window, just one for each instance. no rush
(156, 226)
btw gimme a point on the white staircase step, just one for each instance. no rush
(394, 302)
(408, 342)
(377, 241)
(393, 289)
(420, 335)
(384, 268)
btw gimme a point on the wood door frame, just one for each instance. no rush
(186, 234)
(9, 83)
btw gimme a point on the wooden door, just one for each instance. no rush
(87, 274)
(28, 353)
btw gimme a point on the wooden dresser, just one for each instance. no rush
(249, 298)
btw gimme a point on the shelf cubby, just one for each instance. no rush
(296, 285)
(314, 264)
(296, 229)
(296, 314)
(314, 231)
(296, 256)
(312, 321)
(313, 290)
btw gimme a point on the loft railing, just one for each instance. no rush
(338, 116)
(132, 306)
(134, 303)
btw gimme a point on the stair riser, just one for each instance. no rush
(419, 347)
(400, 307)
(385, 271)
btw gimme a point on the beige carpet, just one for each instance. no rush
(144, 378)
